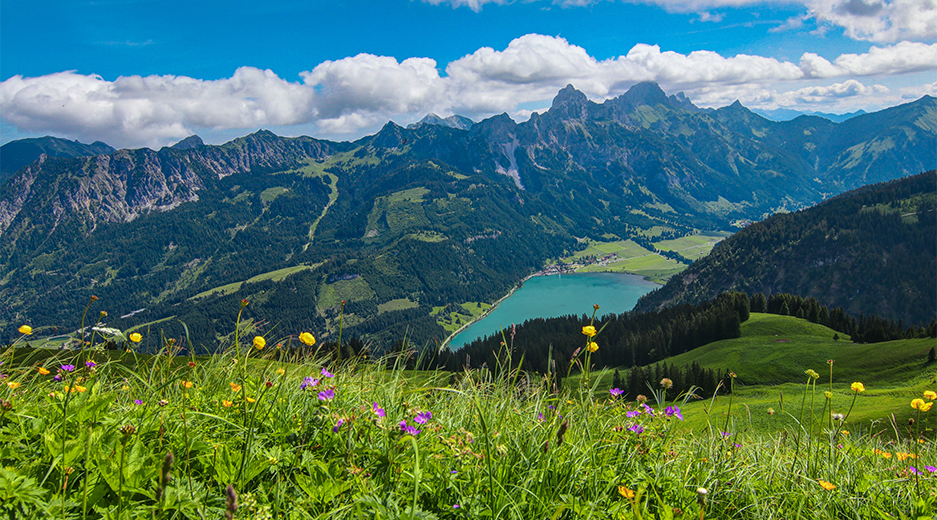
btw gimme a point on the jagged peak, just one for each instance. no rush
(193, 141)
(569, 95)
(645, 93)
(453, 121)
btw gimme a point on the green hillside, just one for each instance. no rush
(777, 349)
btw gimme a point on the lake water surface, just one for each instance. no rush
(559, 295)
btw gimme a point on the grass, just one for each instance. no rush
(298, 434)
(398, 304)
(332, 294)
(277, 276)
(454, 317)
(693, 247)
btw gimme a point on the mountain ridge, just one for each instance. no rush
(398, 208)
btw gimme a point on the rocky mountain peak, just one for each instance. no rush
(193, 141)
(453, 121)
(570, 103)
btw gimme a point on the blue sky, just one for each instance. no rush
(148, 73)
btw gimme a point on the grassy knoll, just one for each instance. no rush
(770, 360)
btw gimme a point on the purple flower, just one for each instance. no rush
(913, 470)
(636, 428)
(338, 425)
(932, 469)
(378, 410)
(58, 377)
(648, 409)
(552, 407)
(68, 368)
(90, 364)
(326, 373)
(327, 395)
(726, 434)
(308, 382)
(737, 445)
(422, 417)
(632, 413)
(673, 411)
(616, 392)
(539, 416)
(411, 430)
(138, 402)
(454, 472)
(456, 506)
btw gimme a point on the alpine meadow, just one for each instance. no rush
(207, 313)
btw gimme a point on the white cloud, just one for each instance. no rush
(150, 110)
(342, 98)
(878, 20)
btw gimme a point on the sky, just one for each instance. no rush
(136, 73)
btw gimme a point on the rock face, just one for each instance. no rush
(125, 184)
(193, 141)
(17, 154)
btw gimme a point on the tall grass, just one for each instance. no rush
(258, 431)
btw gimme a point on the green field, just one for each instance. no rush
(396, 305)
(693, 247)
(307, 437)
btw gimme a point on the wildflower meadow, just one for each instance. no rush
(264, 429)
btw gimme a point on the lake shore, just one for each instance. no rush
(542, 273)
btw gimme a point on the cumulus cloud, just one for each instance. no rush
(878, 20)
(343, 97)
(150, 110)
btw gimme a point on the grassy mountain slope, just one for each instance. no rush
(869, 251)
(423, 217)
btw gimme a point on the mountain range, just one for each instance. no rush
(870, 251)
(406, 223)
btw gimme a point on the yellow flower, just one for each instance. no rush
(845, 432)
(886, 455)
(827, 485)
(625, 492)
(25, 330)
(812, 373)
(857, 387)
(44, 371)
(235, 387)
(930, 394)
(281, 371)
(187, 384)
(307, 338)
(226, 403)
(925, 407)
(13, 385)
(917, 404)
(828, 394)
(136, 337)
(250, 399)
(79, 389)
(666, 383)
(592, 346)
(125, 388)
(589, 330)
(259, 342)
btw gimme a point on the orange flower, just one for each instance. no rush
(226, 403)
(43, 370)
(826, 485)
(13, 385)
(187, 384)
(235, 387)
(625, 492)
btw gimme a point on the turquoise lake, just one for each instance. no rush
(559, 295)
